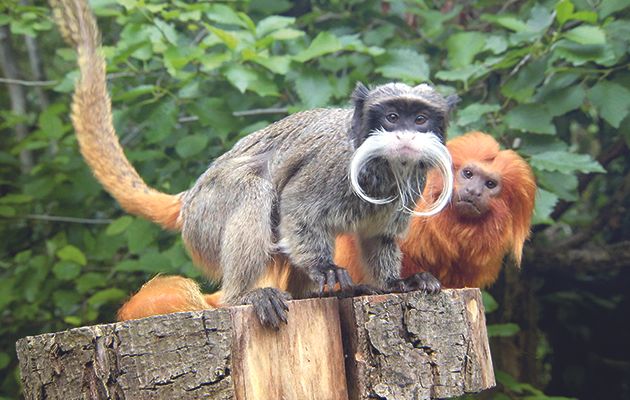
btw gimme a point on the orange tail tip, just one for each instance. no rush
(164, 295)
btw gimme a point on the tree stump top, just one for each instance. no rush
(397, 346)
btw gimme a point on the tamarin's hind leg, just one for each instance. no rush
(245, 259)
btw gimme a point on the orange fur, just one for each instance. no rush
(465, 253)
(164, 295)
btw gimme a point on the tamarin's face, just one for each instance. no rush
(404, 125)
(406, 115)
(474, 190)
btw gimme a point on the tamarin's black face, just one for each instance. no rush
(405, 126)
(405, 115)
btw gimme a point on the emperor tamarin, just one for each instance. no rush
(285, 191)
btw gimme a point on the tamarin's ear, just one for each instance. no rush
(451, 101)
(359, 95)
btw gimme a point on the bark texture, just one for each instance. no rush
(407, 346)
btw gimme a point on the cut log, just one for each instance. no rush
(405, 346)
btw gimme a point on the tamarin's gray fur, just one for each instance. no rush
(286, 190)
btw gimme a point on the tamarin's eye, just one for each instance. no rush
(421, 119)
(491, 184)
(392, 118)
(466, 173)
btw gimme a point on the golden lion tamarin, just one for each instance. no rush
(281, 194)
(463, 246)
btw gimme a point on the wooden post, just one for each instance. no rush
(409, 346)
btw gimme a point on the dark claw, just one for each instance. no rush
(269, 305)
(344, 279)
(331, 279)
(328, 275)
(423, 281)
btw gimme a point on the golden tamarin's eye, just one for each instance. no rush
(491, 184)
(466, 173)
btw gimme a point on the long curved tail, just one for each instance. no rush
(92, 119)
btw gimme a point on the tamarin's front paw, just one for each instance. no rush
(421, 281)
(329, 275)
(270, 305)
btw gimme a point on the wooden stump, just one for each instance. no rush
(407, 346)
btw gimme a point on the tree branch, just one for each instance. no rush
(593, 259)
(73, 220)
(16, 93)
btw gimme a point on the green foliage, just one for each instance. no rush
(181, 74)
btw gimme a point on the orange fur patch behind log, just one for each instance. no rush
(164, 295)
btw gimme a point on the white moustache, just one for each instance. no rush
(399, 148)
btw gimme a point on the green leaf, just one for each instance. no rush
(230, 40)
(489, 303)
(273, 23)
(140, 235)
(474, 112)
(213, 61)
(191, 145)
(314, 89)
(532, 118)
(503, 330)
(464, 74)
(67, 301)
(276, 64)
(522, 86)
(168, 30)
(91, 280)
(66, 270)
(588, 35)
(71, 253)
(404, 64)
(562, 185)
(286, 34)
(463, 47)
(612, 101)
(134, 93)
(579, 54)
(510, 22)
(496, 44)
(73, 320)
(4, 360)
(612, 6)
(106, 296)
(561, 101)
(565, 162)
(51, 124)
(225, 15)
(15, 198)
(245, 78)
(161, 120)
(564, 11)
(177, 57)
(119, 225)
(324, 43)
(6, 211)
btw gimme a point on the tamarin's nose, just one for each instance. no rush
(473, 191)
